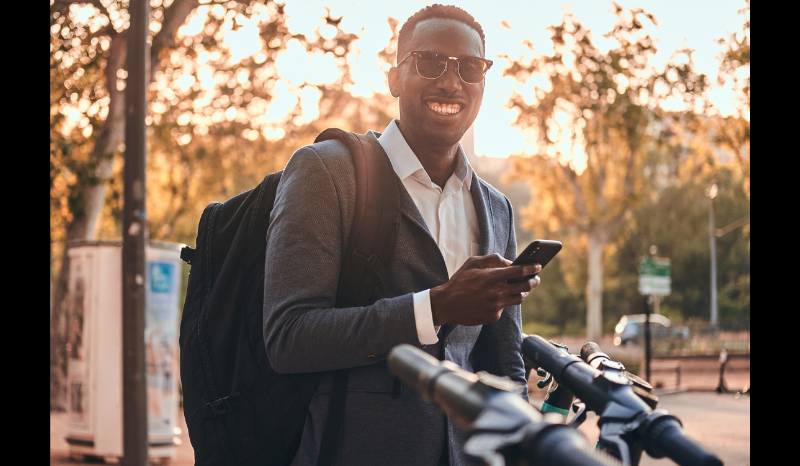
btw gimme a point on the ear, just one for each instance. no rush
(394, 81)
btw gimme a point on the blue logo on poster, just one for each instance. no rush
(160, 278)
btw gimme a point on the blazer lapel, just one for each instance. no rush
(483, 210)
(409, 209)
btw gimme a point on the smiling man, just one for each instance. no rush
(448, 290)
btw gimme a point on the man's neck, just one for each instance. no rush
(439, 162)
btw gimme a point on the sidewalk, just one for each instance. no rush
(59, 449)
(720, 422)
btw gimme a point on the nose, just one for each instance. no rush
(449, 82)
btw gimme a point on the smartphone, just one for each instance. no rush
(540, 251)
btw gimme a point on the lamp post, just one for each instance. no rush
(711, 194)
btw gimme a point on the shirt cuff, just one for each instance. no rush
(426, 331)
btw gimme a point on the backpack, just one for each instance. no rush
(238, 410)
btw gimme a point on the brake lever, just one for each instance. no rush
(547, 378)
(579, 408)
(613, 436)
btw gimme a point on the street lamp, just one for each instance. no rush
(711, 194)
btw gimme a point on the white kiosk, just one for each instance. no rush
(94, 348)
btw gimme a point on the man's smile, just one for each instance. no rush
(444, 108)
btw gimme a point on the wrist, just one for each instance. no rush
(438, 307)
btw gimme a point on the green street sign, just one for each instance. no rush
(654, 276)
(654, 266)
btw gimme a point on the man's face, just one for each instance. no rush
(426, 105)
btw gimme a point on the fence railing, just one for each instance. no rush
(701, 339)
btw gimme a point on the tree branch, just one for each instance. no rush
(728, 140)
(174, 17)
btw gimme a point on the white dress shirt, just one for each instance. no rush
(448, 212)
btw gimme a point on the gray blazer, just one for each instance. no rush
(304, 332)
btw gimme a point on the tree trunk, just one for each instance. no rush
(84, 222)
(594, 285)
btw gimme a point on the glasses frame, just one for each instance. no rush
(416, 54)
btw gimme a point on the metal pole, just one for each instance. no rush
(647, 352)
(134, 394)
(711, 231)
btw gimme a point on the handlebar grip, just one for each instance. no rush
(441, 383)
(541, 353)
(588, 349)
(561, 445)
(412, 367)
(667, 438)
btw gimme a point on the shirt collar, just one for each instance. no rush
(406, 163)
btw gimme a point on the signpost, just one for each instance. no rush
(654, 276)
(654, 282)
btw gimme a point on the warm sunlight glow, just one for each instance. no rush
(510, 31)
(507, 28)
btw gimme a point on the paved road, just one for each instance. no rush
(720, 422)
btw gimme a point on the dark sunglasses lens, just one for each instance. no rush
(472, 70)
(430, 65)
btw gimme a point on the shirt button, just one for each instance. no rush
(444, 245)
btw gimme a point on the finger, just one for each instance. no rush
(518, 271)
(530, 269)
(524, 286)
(492, 316)
(515, 299)
(534, 282)
(492, 261)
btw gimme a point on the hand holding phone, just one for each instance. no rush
(540, 251)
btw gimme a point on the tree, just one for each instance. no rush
(87, 57)
(594, 122)
(87, 121)
(733, 132)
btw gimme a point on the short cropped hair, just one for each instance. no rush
(430, 12)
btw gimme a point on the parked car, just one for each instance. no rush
(630, 329)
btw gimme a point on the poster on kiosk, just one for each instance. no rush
(94, 348)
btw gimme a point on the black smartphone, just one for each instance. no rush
(540, 251)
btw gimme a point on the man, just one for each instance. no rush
(440, 296)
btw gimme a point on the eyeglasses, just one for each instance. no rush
(432, 65)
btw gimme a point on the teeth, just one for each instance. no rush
(444, 109)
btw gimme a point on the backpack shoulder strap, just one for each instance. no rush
(375, 219)
(371, 241)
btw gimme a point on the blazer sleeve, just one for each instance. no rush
(498, 349)
(303, 331)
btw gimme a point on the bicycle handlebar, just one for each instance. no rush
(666, 437)
(496, 418)
(610, 394)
